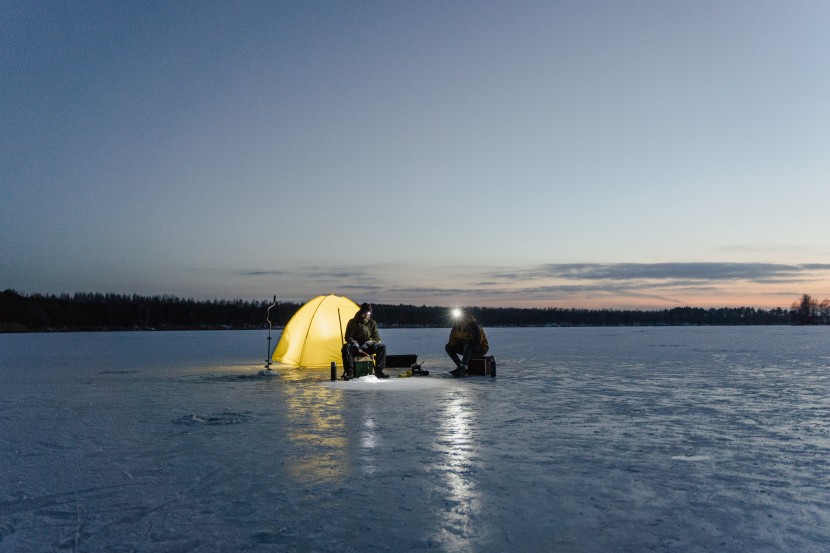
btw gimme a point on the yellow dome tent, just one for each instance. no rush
(314, 335)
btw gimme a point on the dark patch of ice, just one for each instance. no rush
(217, 419)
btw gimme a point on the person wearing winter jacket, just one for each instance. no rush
(467, 339)
(362, 338)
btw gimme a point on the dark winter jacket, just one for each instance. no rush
(360, 332)
(468, 330)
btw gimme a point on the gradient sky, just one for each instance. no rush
(641, 154)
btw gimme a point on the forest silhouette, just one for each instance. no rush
(101, 312)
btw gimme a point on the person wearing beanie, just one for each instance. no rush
(362, 338)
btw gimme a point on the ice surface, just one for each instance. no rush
(630, 439)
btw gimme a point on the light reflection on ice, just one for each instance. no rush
(369, 440)
(314, 422)
(463, 502)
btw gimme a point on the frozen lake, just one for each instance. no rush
(593, 439)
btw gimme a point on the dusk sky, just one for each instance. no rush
(619, 154)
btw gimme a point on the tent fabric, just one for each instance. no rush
(314, 335)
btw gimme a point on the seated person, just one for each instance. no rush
(466, 338)
(362, 338)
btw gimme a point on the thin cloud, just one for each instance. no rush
(362, 287)
(315, 273)
(263, 273)
(679, 272)
(575, 283)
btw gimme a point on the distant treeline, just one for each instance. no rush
(38, 313)
(20, 313)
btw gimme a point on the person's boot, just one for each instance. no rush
(380, 374)
(459, 371)
(347, 375)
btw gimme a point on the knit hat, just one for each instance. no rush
(365, 308)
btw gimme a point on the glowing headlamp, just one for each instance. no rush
(456, 313)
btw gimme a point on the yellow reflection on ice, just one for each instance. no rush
(315, 425)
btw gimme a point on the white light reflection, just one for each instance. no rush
(462, 501)
(369, 441)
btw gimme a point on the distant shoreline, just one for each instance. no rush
(14, 328)
(117, 313)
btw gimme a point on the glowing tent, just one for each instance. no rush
(314, 335)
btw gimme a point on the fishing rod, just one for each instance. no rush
(342, 343)
(268, 318)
